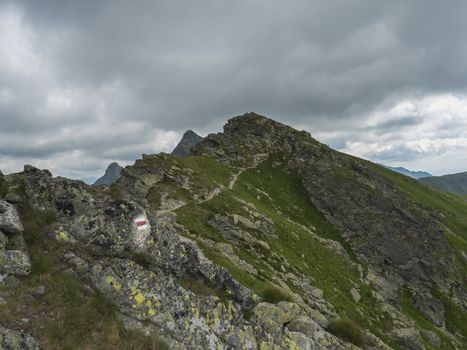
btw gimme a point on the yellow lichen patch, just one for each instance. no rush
(63, 236)
(216, 319)
(195, 312)
(151, 312)
(139, 298)
(230, 311)
(293, 345)
(113, 282)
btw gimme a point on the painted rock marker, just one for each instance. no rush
(141, 222)
(141, 229)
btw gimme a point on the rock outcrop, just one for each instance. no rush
(14, 259)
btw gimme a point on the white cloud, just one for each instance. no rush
(430, 132)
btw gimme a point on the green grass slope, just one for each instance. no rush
(275, 190)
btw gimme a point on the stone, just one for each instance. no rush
(408, 337)
(355, 295)
(13, 340)
(15, 262)
(3, 240)
(430, 307)
(9, 219)
(303, 325)
(432, 337)
(319, 318)
(317, 293)
(273, 317)
(245, 222)
(40, 290)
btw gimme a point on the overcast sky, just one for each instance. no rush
(84, 83)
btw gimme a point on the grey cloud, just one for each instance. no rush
(180, 65)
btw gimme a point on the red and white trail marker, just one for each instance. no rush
(141, 222)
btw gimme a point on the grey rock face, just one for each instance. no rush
(13, 340)
(14, 262)
(9, 219)
(188, 141)
(112, 174)
(381, 225)
(409, 338)
(432, 337)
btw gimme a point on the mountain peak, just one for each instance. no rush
(188, 141)
(112, 174)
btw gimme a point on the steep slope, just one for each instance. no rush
(413, 174)
(456, 183)
(112, 174)
(188, 141)
(261, 238)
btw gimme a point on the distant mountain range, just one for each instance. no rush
(112, 173)
(413, 174)
(456, 183)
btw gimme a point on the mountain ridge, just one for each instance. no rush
(413, 174)
(261, 238)
(456, 183)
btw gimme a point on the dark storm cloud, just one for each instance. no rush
(172, 65)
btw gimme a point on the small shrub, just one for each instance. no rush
(115, 193)
(273, 294)
(36, 223)
(197, 286)
(136, 340)
(3, 186)
(142, 260)
(41, 263)
(348, 331)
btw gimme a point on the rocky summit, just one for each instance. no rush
(260, 238)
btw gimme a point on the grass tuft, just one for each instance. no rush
(273, 294)
(348, 331)
(3, 186)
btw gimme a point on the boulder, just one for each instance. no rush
(3, 240)
(355, 295)
(13, 340)
(15, 262)
(408, 338)
(9, 219)
(432, 337)
(431, 308)
(304, 325)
